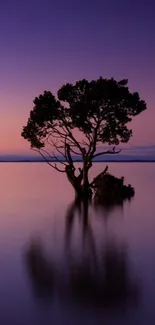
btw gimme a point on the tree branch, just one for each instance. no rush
(60, 152)
(53, 157)
(76, 153)
(74, 140)
(57, 147)
(94, 180)
(68, 154)
(58, 160)
(113, 152)
(92, 147)
(48, 162)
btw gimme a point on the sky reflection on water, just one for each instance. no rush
(63, 266)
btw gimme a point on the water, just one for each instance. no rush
(58, 266)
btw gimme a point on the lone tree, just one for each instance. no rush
(84, 117)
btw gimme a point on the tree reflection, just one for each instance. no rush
(107, 285)
(39, 269)
(98, 277)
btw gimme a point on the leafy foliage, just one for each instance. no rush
(99, 110)
(111, 190)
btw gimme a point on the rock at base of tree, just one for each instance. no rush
(110, 190)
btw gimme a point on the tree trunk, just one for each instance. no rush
(75, 181)
(80, 183)
(86, 185)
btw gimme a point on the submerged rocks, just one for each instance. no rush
(110, 190)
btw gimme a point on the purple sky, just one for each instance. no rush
(46, 43)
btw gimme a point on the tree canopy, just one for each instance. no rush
(82, 117)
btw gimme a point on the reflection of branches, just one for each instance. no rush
(104, 281)
(109, 211)
(70, 216)
(97, 278)
(79, 209)
(109, 285)
(40, 270)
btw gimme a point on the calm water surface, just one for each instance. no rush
(60, 265)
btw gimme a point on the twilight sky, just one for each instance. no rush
(46, 43)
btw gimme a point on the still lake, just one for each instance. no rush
(56, 267)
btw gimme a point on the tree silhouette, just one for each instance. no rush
(83, 117)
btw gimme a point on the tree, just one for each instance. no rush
(81, 119)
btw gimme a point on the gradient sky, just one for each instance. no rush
(45, 43)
